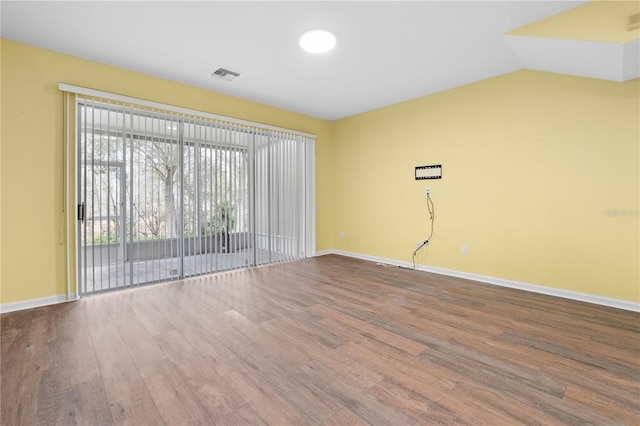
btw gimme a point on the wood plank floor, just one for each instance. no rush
(326, 341)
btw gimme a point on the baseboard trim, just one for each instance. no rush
(36, 303)
(534, 288)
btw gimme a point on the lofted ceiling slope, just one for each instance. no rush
(593, 40)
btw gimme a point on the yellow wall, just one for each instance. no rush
(33, 261)
(533, 165)
(600, 20)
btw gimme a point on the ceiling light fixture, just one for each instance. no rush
(317, 41)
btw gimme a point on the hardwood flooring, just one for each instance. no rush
(322, 341)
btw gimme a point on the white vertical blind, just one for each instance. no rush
(168, 194)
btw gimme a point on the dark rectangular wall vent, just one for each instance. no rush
(225, 74)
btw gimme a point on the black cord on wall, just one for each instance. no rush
(425, 243)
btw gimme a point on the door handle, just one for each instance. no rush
(81, 212)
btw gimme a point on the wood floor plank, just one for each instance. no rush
(199, 292)
(428, 381)
(79, 404)
(601, 341)
(236, 342)
(352, 328)
(420, 408)
(127, 394)
(204, 342)
(212, 391)
(457, 317)
(312, 336)
(23, 364)
(243, 416)
(345, 417)
(73, 379)
(364, 404)
(299, 352)
(261, 396)
(305, 396)
(517, 384)
(309, 330)
(570, 351)
(72, 362)
(327, 340)
(624, 414)
(337, 300)
(136, 336)
(174, 399)
(351, 368)
(623, 392)
(152, 319)
(514, 411)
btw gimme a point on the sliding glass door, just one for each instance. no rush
(163, 196)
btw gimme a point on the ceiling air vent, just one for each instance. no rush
(634, 22)
(225, 74)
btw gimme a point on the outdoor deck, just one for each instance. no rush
(119, 275)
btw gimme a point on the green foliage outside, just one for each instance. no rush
(106, 239)
(222, 220)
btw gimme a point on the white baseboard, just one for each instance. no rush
(534, 288)
(36, 303)
(566, 294)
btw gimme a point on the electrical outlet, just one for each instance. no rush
(418, 243)
(465, 249)
(428, 191)
(341, 234)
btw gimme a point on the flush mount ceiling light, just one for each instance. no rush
(317, 41)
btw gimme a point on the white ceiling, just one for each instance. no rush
(387, 52)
